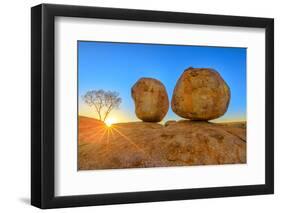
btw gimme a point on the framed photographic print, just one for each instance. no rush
(139, 106)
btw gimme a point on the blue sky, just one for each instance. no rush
(117, 66)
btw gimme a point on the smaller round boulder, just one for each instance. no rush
(151, 99)
(200, 94)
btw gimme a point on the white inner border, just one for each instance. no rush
(69, 181)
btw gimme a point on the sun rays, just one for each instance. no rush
(110, 121)
(107, 135)
(128, 139)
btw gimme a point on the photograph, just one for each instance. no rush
(144, 105)
(139, 105)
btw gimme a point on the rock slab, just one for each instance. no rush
(144, 144)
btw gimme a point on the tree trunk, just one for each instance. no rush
(99, 116)
(107, 113)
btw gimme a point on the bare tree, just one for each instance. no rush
(102, 101)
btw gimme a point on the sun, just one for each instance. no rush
(110, 121)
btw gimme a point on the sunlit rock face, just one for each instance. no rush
(200, 94)
(143, 144)
(151, 99)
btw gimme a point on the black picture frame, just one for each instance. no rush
(43, 102)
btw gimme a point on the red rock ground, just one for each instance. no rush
(141, 144)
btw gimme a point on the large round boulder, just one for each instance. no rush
(200, 94)
(151, 99)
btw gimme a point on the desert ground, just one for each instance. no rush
(144, 144)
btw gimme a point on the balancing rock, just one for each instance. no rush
(151, 99)
(200, 94)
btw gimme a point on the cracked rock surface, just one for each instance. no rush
(144, 144)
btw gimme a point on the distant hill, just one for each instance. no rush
(87, 127)
(88, 122)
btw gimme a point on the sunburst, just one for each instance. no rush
(108, 122)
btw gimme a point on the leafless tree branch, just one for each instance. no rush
(103, 101)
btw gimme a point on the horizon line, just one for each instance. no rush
(138, 120)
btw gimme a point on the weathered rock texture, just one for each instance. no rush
(200, 94)
(151, 100)
(142, 144)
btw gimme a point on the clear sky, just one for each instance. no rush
(117, 66)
